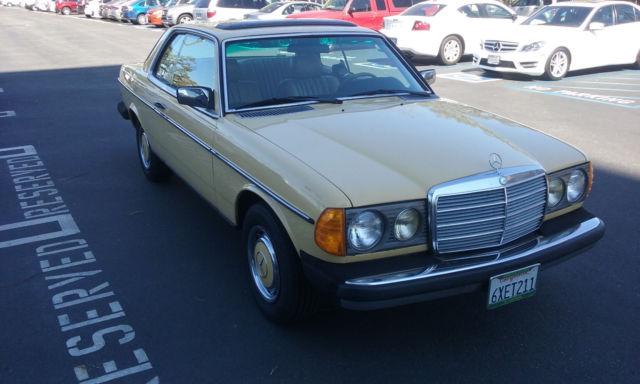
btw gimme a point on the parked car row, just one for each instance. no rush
(558, 38)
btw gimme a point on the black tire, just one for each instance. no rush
(451, 50)
(278, 283)
(184, 18)
(152, 167)
(557, 65)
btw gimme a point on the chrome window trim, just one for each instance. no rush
(228, 162)
(542, 244)
(483, 182)
(383, 38)
(173, 91)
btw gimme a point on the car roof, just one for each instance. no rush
(589, 3)
(230, 29)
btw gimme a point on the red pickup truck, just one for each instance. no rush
(365, 13)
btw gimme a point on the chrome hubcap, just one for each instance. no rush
(145, 150)
(559, 64)
(451, 50)
(263, 264)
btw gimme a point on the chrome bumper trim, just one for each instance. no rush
(542, 243)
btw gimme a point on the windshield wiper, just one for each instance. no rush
(292, 99)
(393, 92)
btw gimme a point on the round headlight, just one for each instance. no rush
(365, 230)
(556, 191)
(576, 186)
(406, 224)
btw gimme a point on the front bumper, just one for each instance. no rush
(528, 63)
(424, 276)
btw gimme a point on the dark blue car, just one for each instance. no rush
(136, 12)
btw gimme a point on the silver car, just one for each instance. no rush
(178, 12)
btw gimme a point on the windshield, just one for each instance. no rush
(271, 7)
(324, 69)
(559, 16)
(335, 5)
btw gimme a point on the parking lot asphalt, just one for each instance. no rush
(136, 282)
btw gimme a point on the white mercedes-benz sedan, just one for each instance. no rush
(565, 37)
(446, 29)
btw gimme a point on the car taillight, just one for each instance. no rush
(210, 14)
(421, 26)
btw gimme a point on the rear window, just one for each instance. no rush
(202, 3)
(404, 3)
(424, 10)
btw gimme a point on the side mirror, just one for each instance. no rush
(429, 76)
(596, 26)
(196, 97)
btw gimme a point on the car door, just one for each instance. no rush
(596, 45)
(362, 13)
(627, 23)
(186, 133)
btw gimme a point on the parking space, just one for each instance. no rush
(618, 89)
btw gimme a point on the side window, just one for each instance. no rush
(289, 10)
(496, 12)
(361, 6)
(188, 60)
(625, 14)
(381, 5)
(471, 10)
(604, 15)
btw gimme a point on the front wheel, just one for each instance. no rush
(558, 64)
(450, 50)
(184, 19)
(278, 283)
(141, 19)
(152, 167)
(66, 11)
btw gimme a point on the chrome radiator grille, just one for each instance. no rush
(489, 217)
(500, 46)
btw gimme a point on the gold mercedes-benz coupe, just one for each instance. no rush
(348, 176)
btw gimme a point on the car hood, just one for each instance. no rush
(377, 151)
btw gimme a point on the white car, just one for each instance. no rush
(446, 29)
(565, 37)
(282, 9)
(216, 10)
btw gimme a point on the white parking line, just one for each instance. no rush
(467, 77)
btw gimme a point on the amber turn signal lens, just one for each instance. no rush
(329, 233)
(590, 180)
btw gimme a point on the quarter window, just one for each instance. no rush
(187, 61)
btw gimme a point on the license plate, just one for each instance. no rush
(493, 59)
(512, 286)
